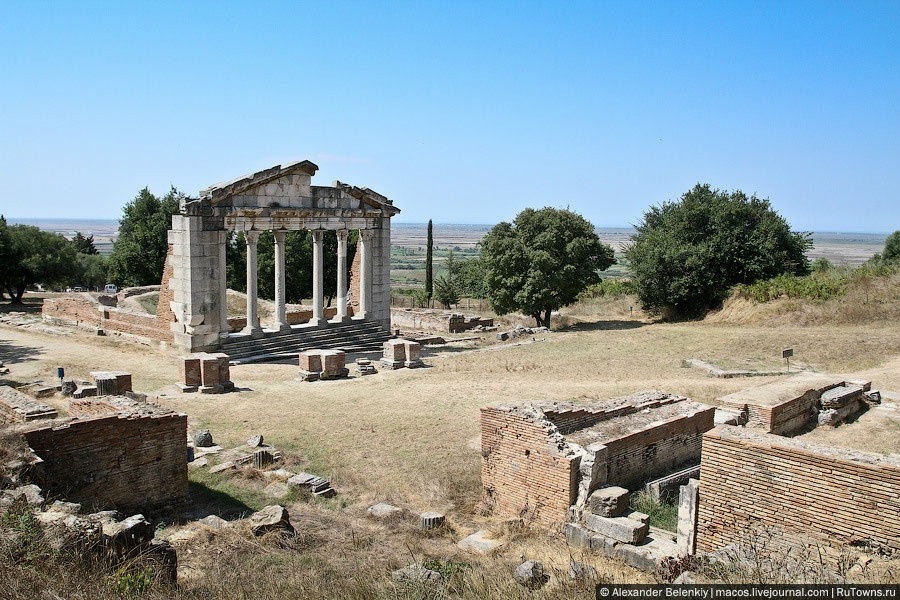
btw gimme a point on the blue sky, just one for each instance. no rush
(460, 112)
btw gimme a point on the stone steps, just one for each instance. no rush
(352, 337)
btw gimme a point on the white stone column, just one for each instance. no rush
(223, 286)
(280, 313)
(318, 278)
(252, 327)
(342, 235)
(365, 271)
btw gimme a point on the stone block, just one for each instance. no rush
(577, 536)
(333, 361)
(311, 361)
(621, 529)
(209, 371)
(383, 510)
(189, 370)
(394, 351)
(431, 520)
(687, 517)
(479, 543)
(224, 366)
(608, 502)
(841, 396)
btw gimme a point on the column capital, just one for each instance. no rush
(279, 235)
(317, 234)
(251, 237)
(366, 234)
(342, 234)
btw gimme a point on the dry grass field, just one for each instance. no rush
(410, 437)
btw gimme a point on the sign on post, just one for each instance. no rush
(786, 354)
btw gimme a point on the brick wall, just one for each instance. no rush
(127, 462)
(636, 458)
(82, 311)
(836, 497)
(77, 310)
(164, 315)
(526, 469)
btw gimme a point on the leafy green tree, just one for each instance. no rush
(445, 290)
(891, 252)
(139, 253)
(36, 256)
(84, 245)
(429, 262)
(470, 277)
(5, 254)
(686, 255)
(541, 261)
(91, 271)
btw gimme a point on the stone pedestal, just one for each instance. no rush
(112, 383)
(413, 352)
(394, 356)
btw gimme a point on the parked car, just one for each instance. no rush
(111, 289)
(77, 289)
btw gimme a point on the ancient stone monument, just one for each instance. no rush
(278, 199)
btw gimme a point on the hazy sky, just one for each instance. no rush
(458, 111)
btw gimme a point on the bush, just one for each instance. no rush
(687, 255)
(819, 286)
(607, 288)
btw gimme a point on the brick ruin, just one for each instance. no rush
(443, 321)
(807, 493)
(538, 461)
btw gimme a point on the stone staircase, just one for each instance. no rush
(357, 336)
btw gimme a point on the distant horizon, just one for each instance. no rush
(27, 220)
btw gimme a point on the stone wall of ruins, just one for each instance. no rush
(83, 311)
(164, 315)
(839, 498)
(114, 461)
(526, 470)
(633, 459)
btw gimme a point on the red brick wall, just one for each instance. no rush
(75, 309)
(654, 452)
(838, 498)
(164, 315)
(82, 311)
(523, 472)
(117, 461)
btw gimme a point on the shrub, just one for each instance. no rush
(607, 288)
(687, 255)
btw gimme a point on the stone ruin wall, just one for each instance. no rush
(114, 461)
(633, 459)
(164, 315)
(523, 473)
(839, 498)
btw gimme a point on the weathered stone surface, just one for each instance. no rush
(610, 501)
(311, 361)
(189, 370)
(687, 517)
(199, 463)
(22, 406)
(271, 518)
(68, 387)
(416, 574)
(31, 493)
(276, 489)
(413, 351)
(621, 529)
(223, 466)
(383, 510)
(581, 572)
(578, 536)
(214, 521)
(431, 520)
(203, 439)
(209, 371)
(531, 575)
(255, 441)
(833, 417)
(479, 543)
(126, 535)
(166, 557)
(70, 508)
(841, 396)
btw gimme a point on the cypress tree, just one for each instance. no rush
(429, 264)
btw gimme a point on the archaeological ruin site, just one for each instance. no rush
(459, 439)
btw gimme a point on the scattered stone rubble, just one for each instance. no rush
(519, 331)
(416, 574)
(112, 383)
(323, 364)
(431, 520)
(364, 366)
(20, 407)
(208, 373)
(531, 575)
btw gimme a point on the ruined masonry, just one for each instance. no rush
(278, 199)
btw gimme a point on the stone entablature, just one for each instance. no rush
(278, 199)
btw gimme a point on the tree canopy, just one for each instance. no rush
(541, 261)
(891, 252)
(139, 253)
(84, 245)
(34, 256)
(686, 255)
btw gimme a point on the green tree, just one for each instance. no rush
(36, 256)
(891, 252)
(429, 263)
(686, 255)
(84, 245)
(470, 277)
(5, 254)
(91, 271)
(541, 262)
(139, 253)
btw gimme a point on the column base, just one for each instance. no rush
(339, 319)
(283, 327)
(316, 321)
(253, 332)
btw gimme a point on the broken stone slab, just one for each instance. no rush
(841, 396)
(68, 387)
(833, 417)
(262, 459)
(203, 439)
(198, 463)
(383, 510)
(609, 501)
(278, 474)
(128, 534)
(479, 543)
(530, 574)
(646, 556)
(72, 532)
(621, 529)
(255, 441)
(225, 466)
(872, 397)
(85, 391)
(31, 493)
(166, 558)
(416, 574)
(70, 508)
(271, 518)
(313, 482)
(577, 536)
(214, 522)
(431, 520)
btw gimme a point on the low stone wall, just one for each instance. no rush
(121, 461)
(838, 498)
(443, 321)
(527, 470)
(83, 311)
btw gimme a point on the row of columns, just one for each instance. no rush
(318, 309)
